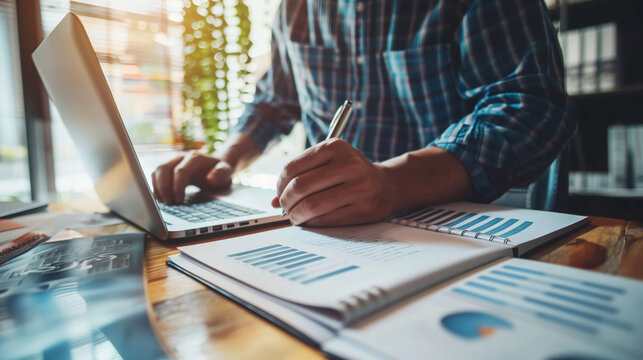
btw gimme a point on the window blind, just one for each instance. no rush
(138, 44)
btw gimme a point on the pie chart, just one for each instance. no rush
(474, 325)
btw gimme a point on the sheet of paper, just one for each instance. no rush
(324, 267)
(279, 309)
(518, 225)
(52, 223)
(514, 309)
(83, 298)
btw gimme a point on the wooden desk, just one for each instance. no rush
(195, 322)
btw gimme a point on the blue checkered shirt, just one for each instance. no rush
(482, 79)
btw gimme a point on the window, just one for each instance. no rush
(140, 48)
(14, 166)
(138, 44)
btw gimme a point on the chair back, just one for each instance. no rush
(549, 192)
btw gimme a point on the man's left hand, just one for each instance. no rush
(331, 184)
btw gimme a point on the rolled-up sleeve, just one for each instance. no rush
(511, 69)
(275, 107)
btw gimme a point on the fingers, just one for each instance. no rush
(162, 180)
(191, 170)
(324, 202)
(314, 181)
(334, 184)
(312, 158)
(220, 176)
(170, 179)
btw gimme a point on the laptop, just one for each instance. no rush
(15, 208)
(72, 75)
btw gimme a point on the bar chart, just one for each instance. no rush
(585, 306)
(501, 227)
(293, 264)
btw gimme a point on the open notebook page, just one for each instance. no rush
(513, 309)
(520, 228)
(346, 269)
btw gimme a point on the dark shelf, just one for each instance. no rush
(614, 207)
(595, 113)
(591, 12)
(633, 93)
(622, 106)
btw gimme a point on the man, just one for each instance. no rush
(454, 100)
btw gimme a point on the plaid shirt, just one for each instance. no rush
(481, 79)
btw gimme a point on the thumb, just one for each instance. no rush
(220, 176)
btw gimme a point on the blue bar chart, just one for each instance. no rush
(500, 227)
(293, 264)
(583, 306)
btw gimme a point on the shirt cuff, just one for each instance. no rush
(486, 182)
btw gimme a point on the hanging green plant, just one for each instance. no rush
(216, 41)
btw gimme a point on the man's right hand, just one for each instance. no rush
(206, 172)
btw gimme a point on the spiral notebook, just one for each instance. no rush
(317, 282)
(521, 229)
(510, 309)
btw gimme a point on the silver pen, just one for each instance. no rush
(339, 120)
(337, 125)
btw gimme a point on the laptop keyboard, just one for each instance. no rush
(208, 211)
